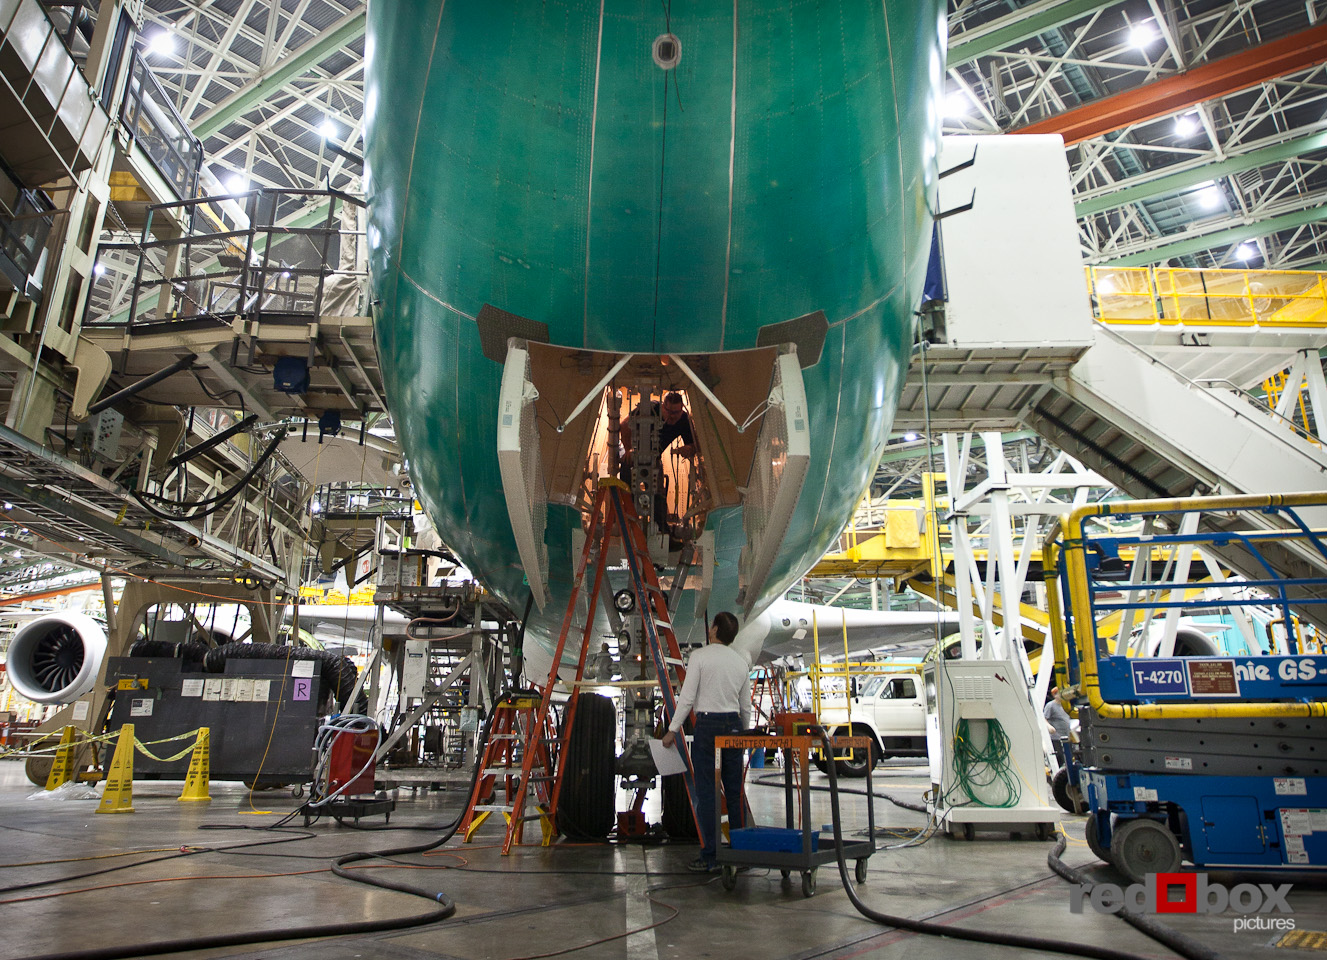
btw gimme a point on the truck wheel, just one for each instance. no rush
(858, 762)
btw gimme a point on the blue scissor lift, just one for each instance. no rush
(1186, 754)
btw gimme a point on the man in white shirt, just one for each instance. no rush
(718, 688)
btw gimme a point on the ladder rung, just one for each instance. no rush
(533, 816)
(501, 771)
(504, 736)
(543, 779)
(495, 807)
(675, 662)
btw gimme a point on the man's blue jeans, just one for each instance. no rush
(709, 726)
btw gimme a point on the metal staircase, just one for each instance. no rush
(1146, 376)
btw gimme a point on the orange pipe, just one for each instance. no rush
(1267, 61)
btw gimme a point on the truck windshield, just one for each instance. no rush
(872, 686)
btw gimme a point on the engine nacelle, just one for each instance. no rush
(56, 658)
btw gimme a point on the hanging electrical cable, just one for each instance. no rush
(211, 504)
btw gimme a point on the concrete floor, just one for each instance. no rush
(538, 901)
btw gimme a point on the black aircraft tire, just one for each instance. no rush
(678, 821)
(585, 807)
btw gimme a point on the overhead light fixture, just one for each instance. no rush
(1210, 198)
(328, 129)
(1186, 125)
(1246, 251)
(161, 44)
(236, 183)
(98, 269)
(957, 104)
(909, 437)
(1142, 34)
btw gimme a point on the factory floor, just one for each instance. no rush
(589, 901)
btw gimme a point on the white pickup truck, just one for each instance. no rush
(891, 708)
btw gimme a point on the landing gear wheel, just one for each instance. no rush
(1145, 846)
(678, 823)
(969, 832)
(808, 883)
(1093, 835)
(1066, 794)
(585, 809)
(729, 878)
(859, 872)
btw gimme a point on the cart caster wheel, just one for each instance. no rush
(785, 874)
(969, 832)
(729, 878)
(1045, 831)
(808, 883)
(860, 871)
(297, 791)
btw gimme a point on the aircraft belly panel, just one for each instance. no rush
(479, 155)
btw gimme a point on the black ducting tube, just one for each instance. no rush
(939, 929)
(184, 363)
(338, 673)
(155, 648)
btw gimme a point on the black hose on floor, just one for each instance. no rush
(1184, 946)
(446, 906)
(938, 929)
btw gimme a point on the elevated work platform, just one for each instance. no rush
(1142, 375)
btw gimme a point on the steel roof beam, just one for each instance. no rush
(296, 65)
(1211, 81)
(1221, 238)
(1027, 22)
(1208, 171)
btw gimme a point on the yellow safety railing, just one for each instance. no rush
(1070, 553)
(1280, 299)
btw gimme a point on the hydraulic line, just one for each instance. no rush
(938, 929)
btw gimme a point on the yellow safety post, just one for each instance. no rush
(63, 767)
(200, 765)
(118, 797)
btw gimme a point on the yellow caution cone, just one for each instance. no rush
(63, 767)
(200, 765)
(118, 797)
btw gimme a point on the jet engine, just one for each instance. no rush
(56, 658)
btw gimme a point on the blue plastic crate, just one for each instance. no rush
(777, 839)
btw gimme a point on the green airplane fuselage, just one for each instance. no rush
(535, 156)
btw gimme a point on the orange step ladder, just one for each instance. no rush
(514, 733)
